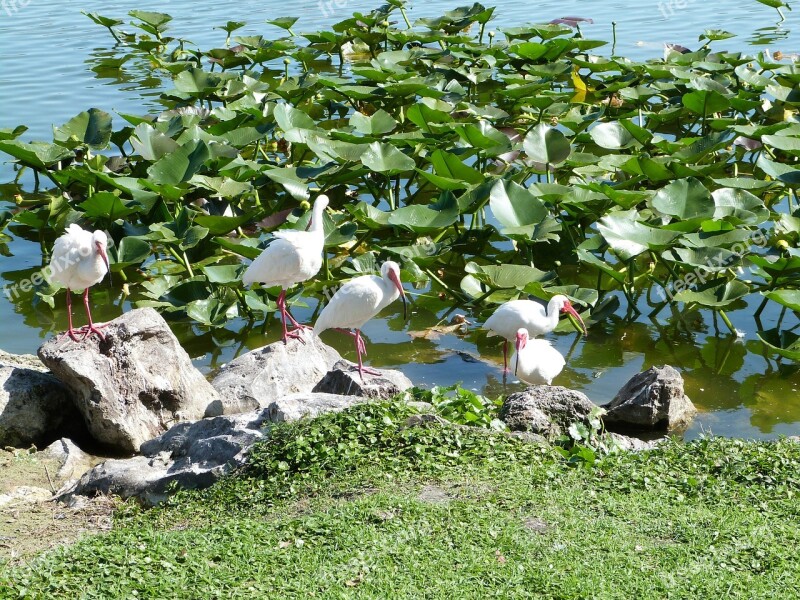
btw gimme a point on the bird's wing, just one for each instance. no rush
(355, 303)
(68, 251)
(274, 266)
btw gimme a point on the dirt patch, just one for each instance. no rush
(30, 522)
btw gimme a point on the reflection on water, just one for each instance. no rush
(47, 50)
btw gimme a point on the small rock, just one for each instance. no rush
(25, 494)
(74, 461)
(309, 404)
(535, 524)
(258, 378)
(633, 444)
(344, 378)
(35, 407)
(653, 399)
(544, 409)
(134, 384)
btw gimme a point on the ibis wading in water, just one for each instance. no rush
(535, 360)
(531, 316)
(291, 258)
(357, 301)
(79, 261)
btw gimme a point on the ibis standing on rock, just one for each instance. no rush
(78, 262)
(357, 301)
(531, 316)
(291, 258)
(535, 360)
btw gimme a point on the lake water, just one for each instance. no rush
(740, 390)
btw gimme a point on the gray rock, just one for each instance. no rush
(133, 385)
(653, 399)
(73, 462)
(35, 407)
(195, 455)
(190, 455)
(546, 410)
(633, 444)
(311, 404)
(259, 378)
(344, 378)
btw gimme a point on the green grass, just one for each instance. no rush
(351, 505)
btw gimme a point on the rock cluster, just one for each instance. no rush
(137, 392)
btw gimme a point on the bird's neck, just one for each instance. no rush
(317, 227)
(553, 315)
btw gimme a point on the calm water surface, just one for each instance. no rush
(45, 80)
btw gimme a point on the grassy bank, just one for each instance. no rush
(352, 505)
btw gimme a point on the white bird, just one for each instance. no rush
(291, 258)
(357, 301)
(512, 315)
(535, 360)
(78, 262)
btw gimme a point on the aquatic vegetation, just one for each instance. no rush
(489, 164)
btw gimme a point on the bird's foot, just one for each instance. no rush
(88, 330)
(368, 371)
(294, 334)
(71, 334)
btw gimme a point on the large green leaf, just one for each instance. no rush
(385, 158)
(505, 276)
(36, 154)
(515, 206)
(181, 164)
(547, 145)
(612, 135)
(91, 128)
(716, 293)
(150, 143)
(788, 298)
(629, 237)
(425, 219)
(105, 205)
(376, 124)
(785, 343)
(685, 199)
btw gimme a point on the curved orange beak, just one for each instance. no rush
(569, 309)
(396, 281)
(102, 252)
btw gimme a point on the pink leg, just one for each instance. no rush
(71, 330)
(282, 307)
(91, 328)
(361, 348)
(505, 357)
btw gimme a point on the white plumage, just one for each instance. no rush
(535, 361)
(291, 258)
(79, 261)
(530, 315)
(360, 299)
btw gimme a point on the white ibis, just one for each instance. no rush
(291, 258)
(78, 262)
(535, 360)
(357, 301)
(512, 315)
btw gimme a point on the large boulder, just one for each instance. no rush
(344, 379)
(308, 405)
(133, 385)
(35, 407)
(259, 378)
(545, 410)
(653, 399)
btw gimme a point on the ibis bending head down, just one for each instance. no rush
(535, 360)
(531, 316)
(78, 262)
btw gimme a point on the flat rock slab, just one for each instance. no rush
(133, 385)
(261, 377)
(195, 455)
(653, 399)
(35, 407)
(344, 379)
(545, 410)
